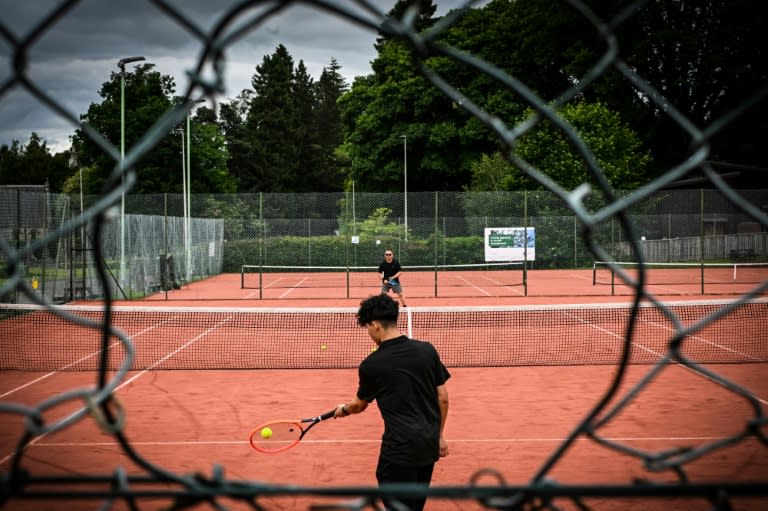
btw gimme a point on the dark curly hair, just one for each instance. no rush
(380, 308)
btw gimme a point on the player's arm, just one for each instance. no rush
(442, 403)
(357, 405)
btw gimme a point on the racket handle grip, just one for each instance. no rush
(328, 415)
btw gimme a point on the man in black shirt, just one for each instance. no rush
(389, 271)
(407, 379)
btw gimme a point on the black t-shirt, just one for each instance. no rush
(389, 269)
(402, 376)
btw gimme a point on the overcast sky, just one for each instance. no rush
(73, 58)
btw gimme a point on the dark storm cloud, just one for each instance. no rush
(71, 60)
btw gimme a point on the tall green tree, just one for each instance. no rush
(232, 119)
(395, 118)
(208, 155)
(33, 164)
(148, 96)
(616, 148)
(291, 130)
(273, 127)
(329, 133)
(396, 108)
(706, 58)
(310, 155)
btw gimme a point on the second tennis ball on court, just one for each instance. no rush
(323, 347)
(266, 433)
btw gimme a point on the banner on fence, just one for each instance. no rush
(510, 244)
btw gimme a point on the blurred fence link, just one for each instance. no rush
(573, 226)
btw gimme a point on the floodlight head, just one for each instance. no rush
(122, 62)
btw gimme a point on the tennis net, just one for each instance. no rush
(480, 279)
(706, 276)
(36, 339)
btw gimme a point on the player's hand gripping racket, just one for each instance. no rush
(281, 435)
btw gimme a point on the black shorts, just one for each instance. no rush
(390, 473)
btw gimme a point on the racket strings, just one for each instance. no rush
(276, 436)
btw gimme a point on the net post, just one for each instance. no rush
(347, 280)
(525, 244)
(436, 238)
(594, 273)
(701, 236)
(525, 278)
(242, 276)
(613, 278)
(165, 237)
(261, 286)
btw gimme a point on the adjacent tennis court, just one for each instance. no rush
(479, 284)
(460, 280)
(675, 278)
(524, 376)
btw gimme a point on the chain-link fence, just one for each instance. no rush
(573, 226)
(145, 250)
(444, 228)
(226, 232)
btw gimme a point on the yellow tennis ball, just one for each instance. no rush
(266, 433)
(324, 347)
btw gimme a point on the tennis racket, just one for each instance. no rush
(281, 435)
(393, 282)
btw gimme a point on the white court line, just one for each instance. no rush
(35, 381)
(292, 288)
(476, 287)
(249, 295)
(634, 343)
(129, 380)
(501, 284)
(705, 341)
(620, 282)
(86, 357)
(378, 441)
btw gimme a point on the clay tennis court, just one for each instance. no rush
(477, 287)
(509, 418)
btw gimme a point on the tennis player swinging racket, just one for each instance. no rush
(389, 271)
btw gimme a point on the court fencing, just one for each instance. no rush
(228, 231)
(615, 215)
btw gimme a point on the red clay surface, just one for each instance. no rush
(456, 288)
(510, 419)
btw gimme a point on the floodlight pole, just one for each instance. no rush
(187, 194)
(405, 181)
(121, 64)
